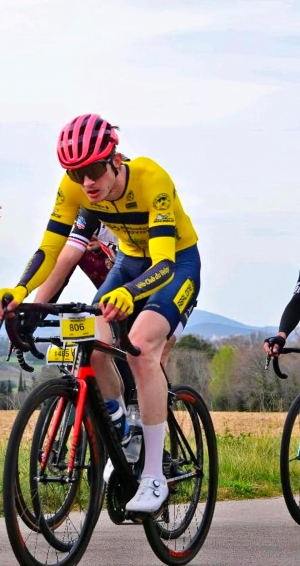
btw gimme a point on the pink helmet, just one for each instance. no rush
(86, 139)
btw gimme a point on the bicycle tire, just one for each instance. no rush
(179, 529)
(23, 510)
(30, 546)
(290, 460)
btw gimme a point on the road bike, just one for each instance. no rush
(290, 446)
(53, 487)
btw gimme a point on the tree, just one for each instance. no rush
(191, 342)
(222, 367)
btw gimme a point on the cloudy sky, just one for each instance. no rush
(208, 89)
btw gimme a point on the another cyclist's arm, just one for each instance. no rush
(290, 318)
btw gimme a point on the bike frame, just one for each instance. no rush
(87, 387)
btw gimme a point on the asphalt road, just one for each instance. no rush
(243, 533)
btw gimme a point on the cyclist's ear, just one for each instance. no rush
(117, 159)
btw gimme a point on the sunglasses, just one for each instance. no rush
(92, 171)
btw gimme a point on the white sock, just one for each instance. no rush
(154, 437)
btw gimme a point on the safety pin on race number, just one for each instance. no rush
(77, 327)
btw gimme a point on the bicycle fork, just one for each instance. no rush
(58, 417)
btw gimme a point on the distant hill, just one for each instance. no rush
(213, 326)
(203, 323)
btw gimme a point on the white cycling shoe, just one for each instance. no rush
(149, 497)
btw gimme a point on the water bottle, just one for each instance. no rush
(133, 449)
(133, 416)
(119, 421)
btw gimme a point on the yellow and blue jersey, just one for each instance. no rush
(148, 219)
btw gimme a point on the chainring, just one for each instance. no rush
(116, 499)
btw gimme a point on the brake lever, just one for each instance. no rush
(277, 370)
(9, 353)
(267, 362)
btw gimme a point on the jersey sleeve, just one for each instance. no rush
(63, 215)
(290, 317)
(86, 224)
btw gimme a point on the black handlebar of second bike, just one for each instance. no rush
(13, 327)
(276, 367)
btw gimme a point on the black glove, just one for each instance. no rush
(279, 340)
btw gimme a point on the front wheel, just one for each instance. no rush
(290, 460)
(47, 494)
(190, 462)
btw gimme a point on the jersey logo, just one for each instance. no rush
(164, 218)
(80, 223)
(184, 295)
(162, 202)
(130, 196)
(99, 205)
(60, 198)
(55, 213)
(131, 203)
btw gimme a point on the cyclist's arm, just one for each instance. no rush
(290, 316)
(288, 322)
(59, 277)
(68, 199)
(157, 276)
(72, 252)
(161, 237)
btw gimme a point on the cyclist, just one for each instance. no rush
(156, 272)
(288, 322)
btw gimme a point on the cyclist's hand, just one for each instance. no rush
(117, 304)
(273, 344)
(19, 293)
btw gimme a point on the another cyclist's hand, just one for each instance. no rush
(117, 304)
(94, 245)
(19, 293)
(273, 344)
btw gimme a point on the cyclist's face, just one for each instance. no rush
(102, 188)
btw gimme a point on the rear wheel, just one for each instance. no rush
(290, 460)
(180, 528)
(64, 507)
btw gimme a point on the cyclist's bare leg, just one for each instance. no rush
(149, 333)
(107, 375)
